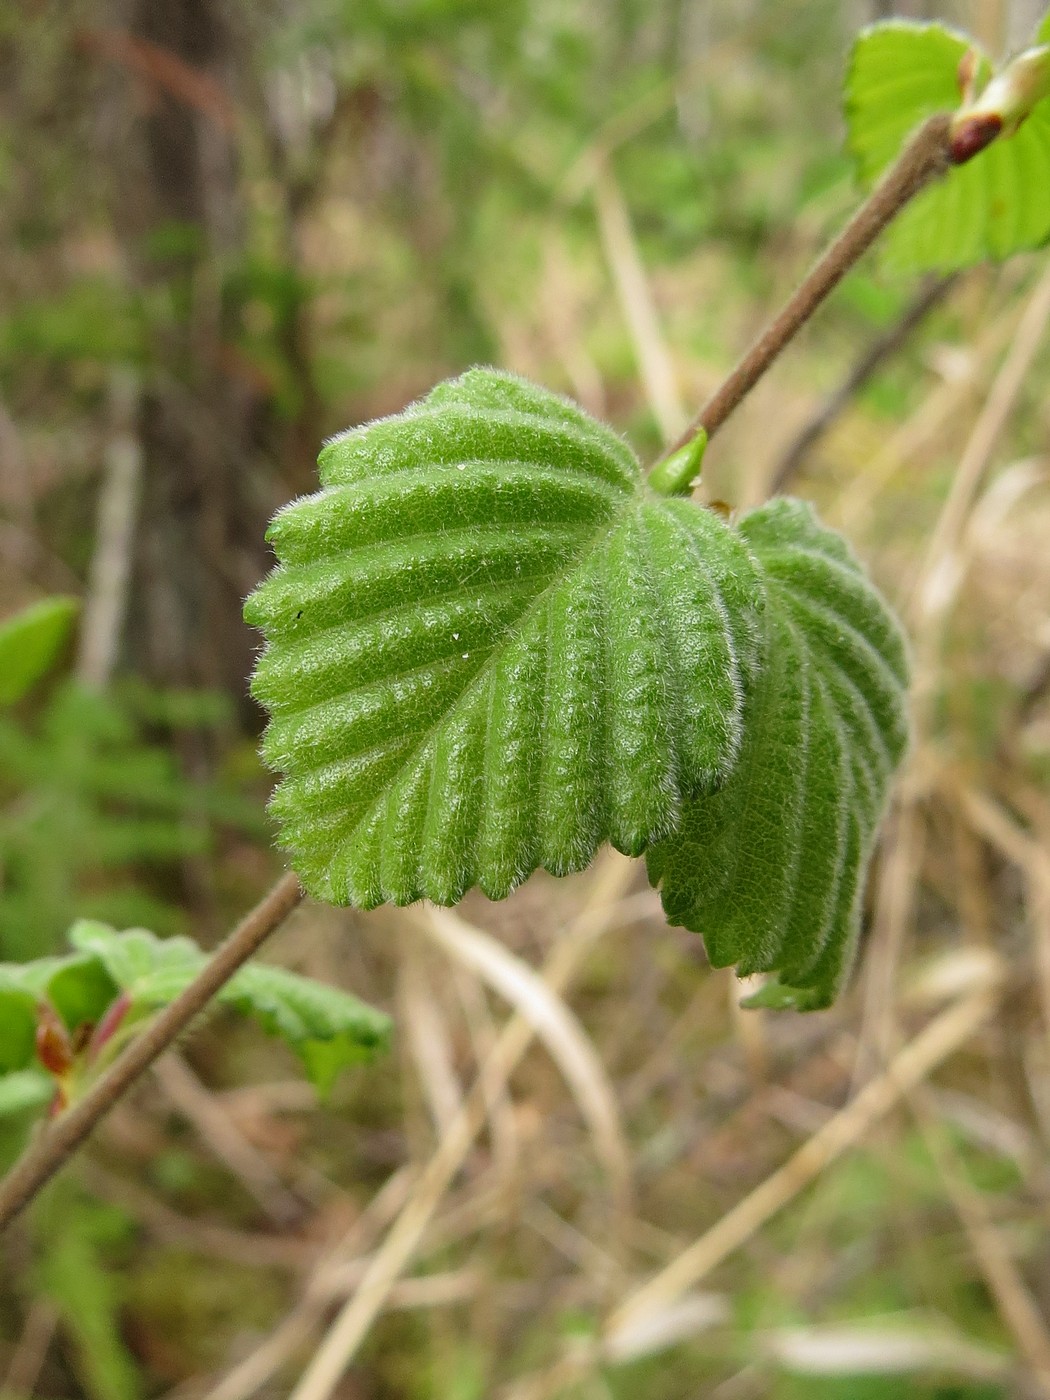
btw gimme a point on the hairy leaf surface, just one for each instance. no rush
(996, 204)
(769, 869)
(490, 647)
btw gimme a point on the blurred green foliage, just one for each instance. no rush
(96, 813)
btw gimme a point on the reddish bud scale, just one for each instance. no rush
(106, 1028)
(52, 1046)
(973, 135)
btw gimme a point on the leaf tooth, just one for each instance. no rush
(301, 600)
(355, 868)
(461, 495)
(826, 976)
(513, 738)
(340, 728)
(641, 709)
(330, 663)
(448, 860)
(343, 786)
(823, 840)
(570, 817)
(404, 812)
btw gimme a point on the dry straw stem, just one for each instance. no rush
(639, 308)
(601, 912)
(900, 864)
(940, 576)
(298, 1326)
(219, 1131)
(1005, 1283)
(57, 1143)
(1031, 857)
(935, 413)
(941, 1038)
(555, 1025)
(944, 560)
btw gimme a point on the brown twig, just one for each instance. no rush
(56, 1144)
(926, 156)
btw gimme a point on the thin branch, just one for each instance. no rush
(878, 352)
(926, 156)
(57, 1143)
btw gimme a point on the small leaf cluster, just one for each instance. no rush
(993, 205)
(493, 647)
(67, 1014)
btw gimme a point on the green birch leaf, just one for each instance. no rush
(770, 868)
(996, 204)
(30, 643)
(491, 647)
(151, 970)
(327, 1027)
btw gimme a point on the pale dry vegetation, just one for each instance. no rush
(584, 1170)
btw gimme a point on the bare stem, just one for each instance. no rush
(926, 156)
(57, 1143)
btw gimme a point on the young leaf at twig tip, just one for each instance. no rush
(770, 869)
(114, 980)
(328, 1028)
(995, 203)
(491, 647)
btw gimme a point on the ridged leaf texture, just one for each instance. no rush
(996, 204)
(770, 868)
(490, 647)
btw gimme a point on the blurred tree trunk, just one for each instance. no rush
(179, 213)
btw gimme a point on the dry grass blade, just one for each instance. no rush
(900, 864)
(951, 1029)
(1033, 860)
(554, 1025)
(218, 1129)
(943, 567)
(299, 1325)
(31, 1351)
(429, 1040)
(504, 1135)
(941, 1038)
(636, 298)
(930, 419)
(882, 1350)
(1015, 1303)
(608, 885)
